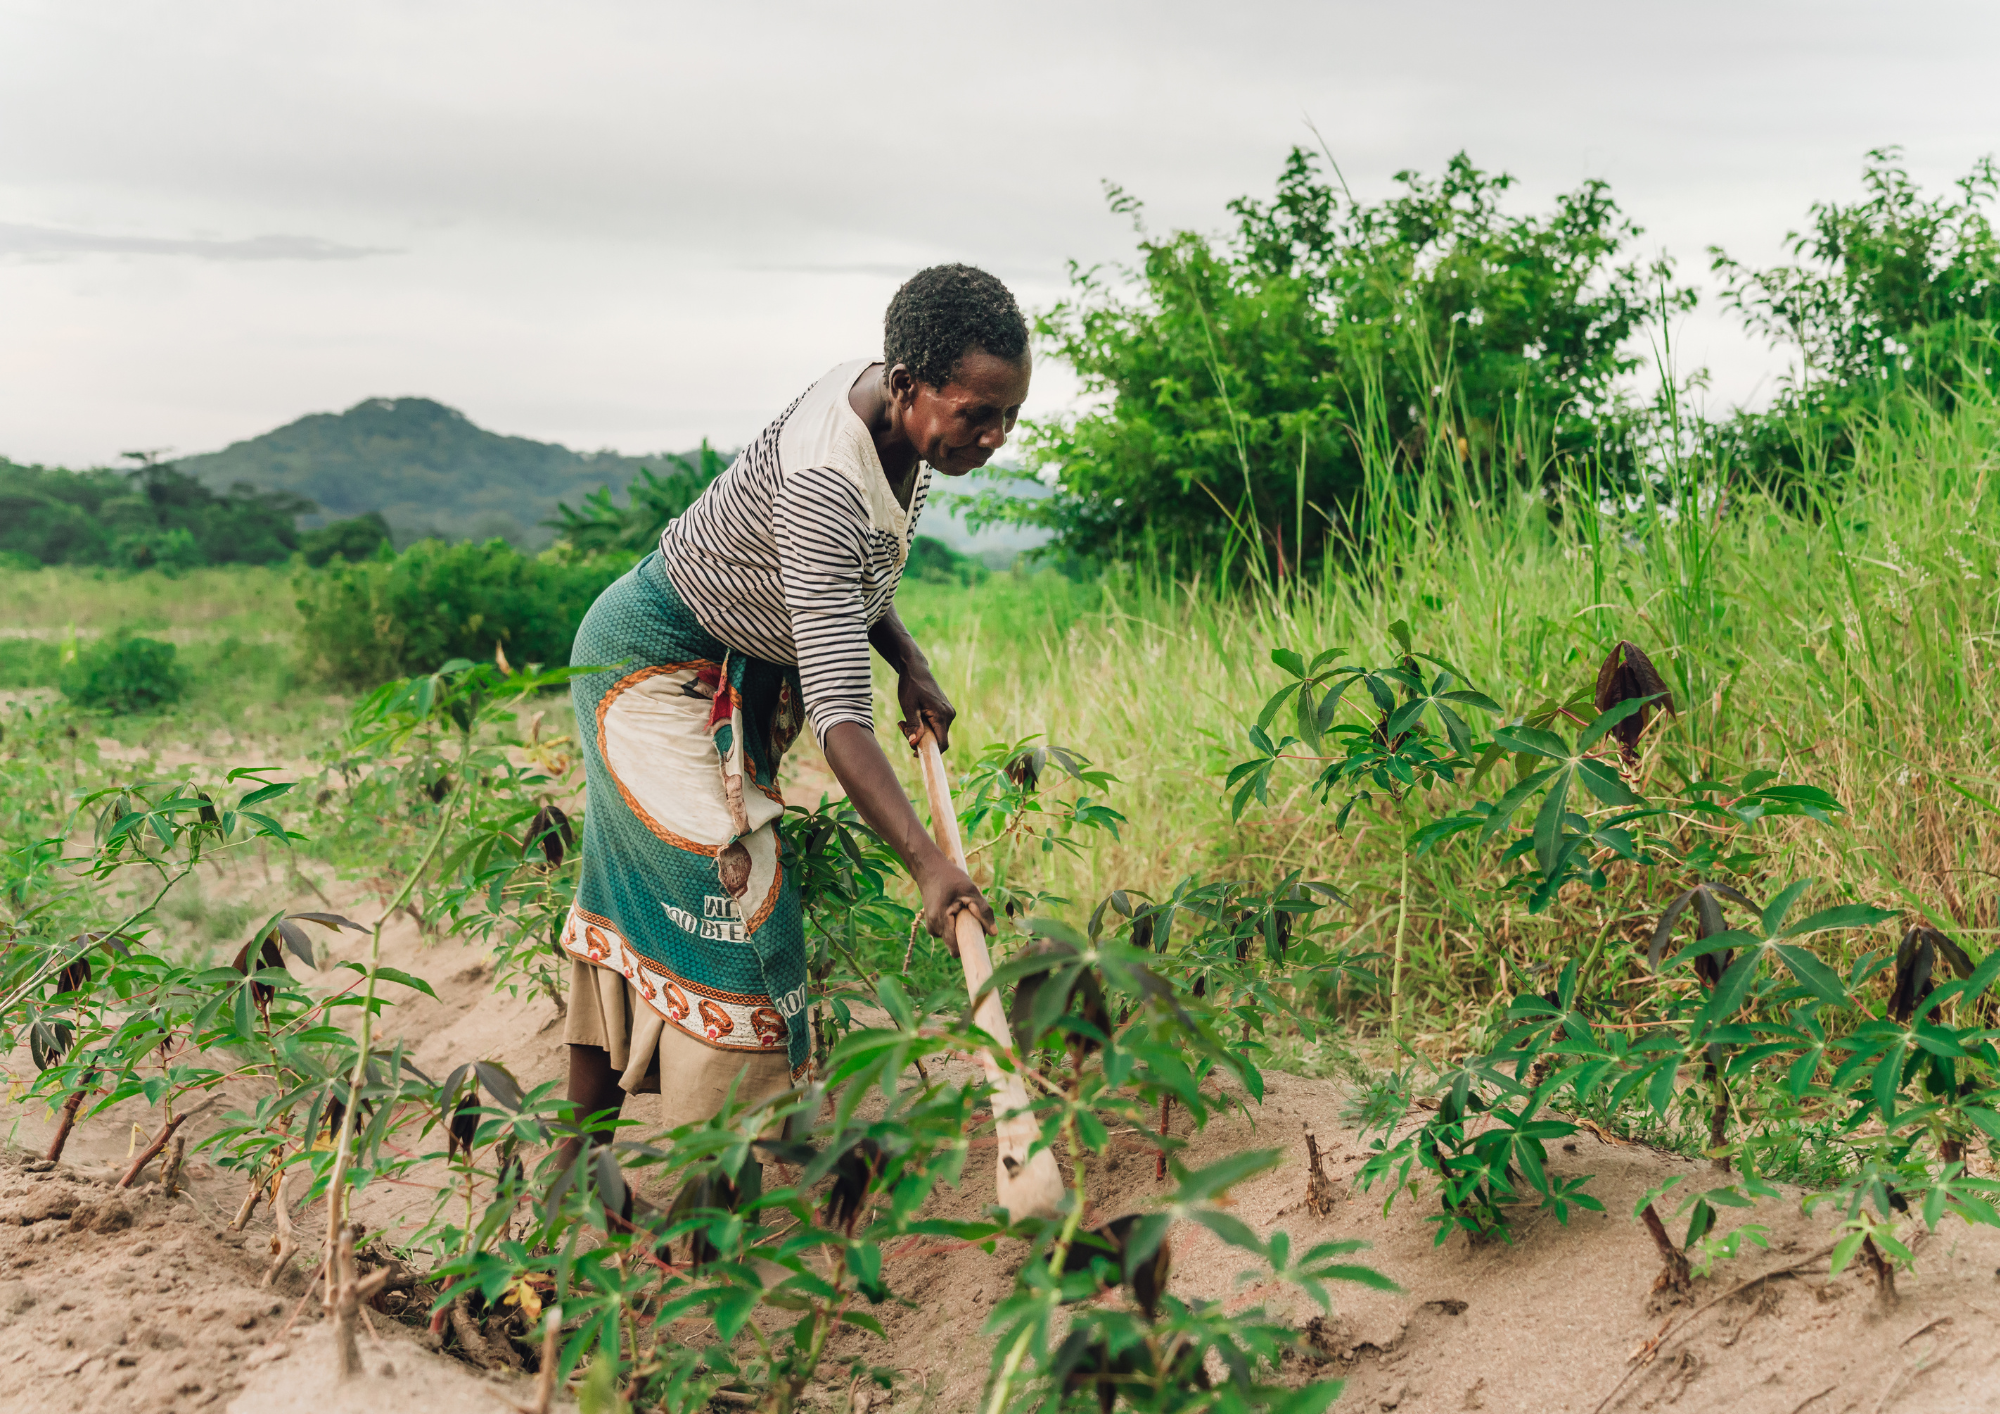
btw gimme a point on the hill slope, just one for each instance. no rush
(428, 468)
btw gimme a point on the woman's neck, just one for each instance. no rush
(869, 397)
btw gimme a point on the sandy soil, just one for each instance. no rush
(136, 1301)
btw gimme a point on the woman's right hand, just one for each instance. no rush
(861, 768)
(948, 890)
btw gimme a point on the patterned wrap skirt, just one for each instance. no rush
(684, 893)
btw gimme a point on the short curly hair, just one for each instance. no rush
(944, 312)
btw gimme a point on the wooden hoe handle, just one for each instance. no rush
(1028, 1186)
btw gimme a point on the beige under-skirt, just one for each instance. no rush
(653, 1058)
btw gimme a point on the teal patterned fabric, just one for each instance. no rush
(684, 889)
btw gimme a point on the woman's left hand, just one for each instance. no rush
(924, 704)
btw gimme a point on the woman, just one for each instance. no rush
(753, 618)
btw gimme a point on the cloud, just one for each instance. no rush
(55, 243)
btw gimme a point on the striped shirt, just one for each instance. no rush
(794, 552)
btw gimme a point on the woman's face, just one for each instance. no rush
(958, 427)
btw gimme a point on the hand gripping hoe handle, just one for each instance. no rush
(1029, 1186)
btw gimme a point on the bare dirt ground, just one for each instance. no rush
(115, 1301)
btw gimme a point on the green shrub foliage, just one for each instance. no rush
(1897, 291)
(356, 538)
(1238, 374)
(123, 674)
(364, 623)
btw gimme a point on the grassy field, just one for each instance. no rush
(233, 628)
(1849, 643)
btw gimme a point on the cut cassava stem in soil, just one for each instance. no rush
(170, 1176)
(1676, 1274)
(349, 1291)
(1885, 1273)
(1319, 1188)
(283, 1245)
(152, 1150)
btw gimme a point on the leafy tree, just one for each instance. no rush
(1897, 291)
(1250, 385)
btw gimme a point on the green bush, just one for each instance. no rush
(123, 674)
(367, 622)
(934, 562)
(1243, 385)
(27, 662)
(1897, 292)
(357, 538)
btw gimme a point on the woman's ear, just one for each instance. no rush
(902, 385)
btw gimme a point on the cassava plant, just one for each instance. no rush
(1402, 737)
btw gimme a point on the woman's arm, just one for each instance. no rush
(917, 692)
(860, 766)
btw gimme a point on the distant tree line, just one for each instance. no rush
(154, 516)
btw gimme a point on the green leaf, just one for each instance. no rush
(1549, 821)
(1847, 915)
(1730, 991)
(1606, 784)
(391, 974)
(1405, 716)
(1473, 699)
(1814, 974)
(1715, 942)
(1594, 733)
(1777, 908)
(1200, 1185)
(1231, 1230)
(1271, 708)
(1291, 662)
(1983, 975)
(1314, 1398)
(1400, 631)
(1534, 740)
(1512, 801)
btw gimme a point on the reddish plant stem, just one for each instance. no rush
(151, 1151)
(1676, 1260)
(67, 1122)
(1718, 1118)
(1160, 1161)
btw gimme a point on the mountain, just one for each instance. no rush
(428, 468)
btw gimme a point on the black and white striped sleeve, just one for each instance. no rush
(820, 525)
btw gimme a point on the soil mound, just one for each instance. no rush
(132, 1300)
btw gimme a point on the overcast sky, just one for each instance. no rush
(632, 225)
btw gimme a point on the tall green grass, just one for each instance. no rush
(1848, 640)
